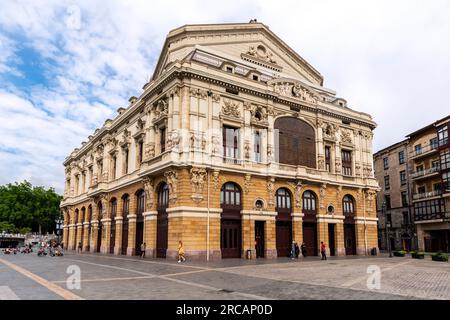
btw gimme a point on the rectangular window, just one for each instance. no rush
(445, 160)
(83, 181)
(446, 182)
(126, 156)
(114, 167)
(100, 171)
(437, 187)
(404, 199)
(443, 136)
(346, 163)
(401, 157)
(328, 158)
(419, 168)
(231, 142)
(403, 177)
(387, 184)
(386, 163)
(387, 198)
(429, 210)
(434, 143)
(229, 69)
(435, 164)
(418, 148)
(257, 147)
(141, 151)
(405, 218)
(162, 140)
(91, 174)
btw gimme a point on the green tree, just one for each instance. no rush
(25, 206)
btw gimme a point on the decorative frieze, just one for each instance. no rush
(247, 182)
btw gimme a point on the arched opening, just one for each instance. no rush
(140, 208)
(230, 230)
(100, 226)
(310, 222)
(283, 222)
(112, 236)
(162, 223)
(348, 207)
(296, 142)
(75, 230)
(126, 212)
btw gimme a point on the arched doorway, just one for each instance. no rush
(283, 222)
(140, 207)
(112, 236)
(75, 230)
(162, 224)
(100, 226)
(230, 230)
(348, 206)
(126, 212)
(310, 222)
(296, 142)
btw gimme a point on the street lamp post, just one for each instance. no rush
(59, 223)
(388, 244)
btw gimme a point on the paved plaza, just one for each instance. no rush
(27, 276)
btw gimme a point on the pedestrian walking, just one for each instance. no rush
(143, 250)
(303, 247)
(293, 250)
(297, 250)
(181, 257)
(323, 250)
(80, 247)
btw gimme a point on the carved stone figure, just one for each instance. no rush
(247, 149)
(198, 177)
(172, 183)
(149, 150)
(149, 190)
(303, 93)
(215, 178)
(247, 183)
(298, 194)
(271, 191)
(322, 191)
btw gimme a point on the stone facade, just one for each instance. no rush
(158, 172)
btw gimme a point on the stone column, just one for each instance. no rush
(72, 236)
(150, 233)
(270, 245)
(118, 244)
(86, 237)
(79, 235)
(248, 237)
(131, 250)
(297, 227)
(322, 234)
(360, 241)
(66, 236)
(339, 238)
(94, 235)
(106, 235)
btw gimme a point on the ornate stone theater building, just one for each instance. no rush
(234, 147)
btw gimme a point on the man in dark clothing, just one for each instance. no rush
(303, 250)
(323, 250)
(297, 250)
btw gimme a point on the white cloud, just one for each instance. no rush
(389, 59)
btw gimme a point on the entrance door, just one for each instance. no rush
(284, 238)
(112, 237)
(162, 223)
(349, 239)
(259, 238)
(125, 236)
(310, 238)
(231, 238)
(331, 239)
(99, 237)
(139, 236)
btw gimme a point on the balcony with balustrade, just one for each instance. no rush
(427, 195)
(423, 174)
(424, 151)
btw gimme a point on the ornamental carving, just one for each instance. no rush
(161, 110)
(370, 197)
(346, 136)
(149, 189)
(367, 171)
(215, 179)
(198, 179)
(329, 130)
(322, 192)
(247, 149)
(198, 93)
(271, 191)
(231, 109)
(270, 153)
(259, 115)
(304, 93)
(283, 89)
(176, 139)
(297, 193)
(368, 135)
(321, 163)
(261, 53)
(358, 169)
(215, 144)
(216, 97)
(140, 124)
(247, 183)
(337, 165)
(149, 150)
(172, 182)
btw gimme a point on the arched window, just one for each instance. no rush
(83, 214)
(163, 196)
(230, 195)
(283, 199)
(113, 208)
(309, 202)
(348, 205)
(100, 210)
(140, 208)
(126, 205)
(89, 217)
(76, 216)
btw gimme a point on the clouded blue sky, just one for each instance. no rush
(66, 66)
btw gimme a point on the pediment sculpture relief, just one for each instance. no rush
(295, 90)
(231, 109)
(260, 52)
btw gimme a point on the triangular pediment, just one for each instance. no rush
(250, 43)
